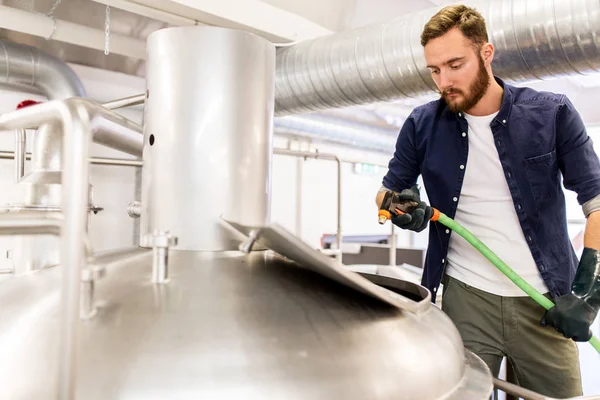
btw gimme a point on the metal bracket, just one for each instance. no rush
(134, 209)
(89, 276)
(160, 241)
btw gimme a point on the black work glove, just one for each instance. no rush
(572, 317)
(575, 312)
(417, 219)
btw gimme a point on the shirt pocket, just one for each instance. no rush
(542, 172)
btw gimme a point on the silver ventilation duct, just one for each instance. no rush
(26, 68)
(534, 39)
(327, 128)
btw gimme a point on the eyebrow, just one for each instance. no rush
(450, 61)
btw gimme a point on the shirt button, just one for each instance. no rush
(460, 114)
(498, 142)
(464, 134)
(447, 230)
(443, 260)
(503, 121)
(435, 289)
(519, 207)
(455, 199)
(508, 174)
(542, 267)
(462, 167)
(529, 239)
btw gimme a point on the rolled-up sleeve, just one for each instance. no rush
(403, 169)
(577, 159)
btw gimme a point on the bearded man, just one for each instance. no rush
(492, 156)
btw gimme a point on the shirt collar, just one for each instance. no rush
(507, 101)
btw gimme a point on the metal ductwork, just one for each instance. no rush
(346, 132)
(26, 68)
(534, 39)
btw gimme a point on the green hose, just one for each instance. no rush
(505, 269)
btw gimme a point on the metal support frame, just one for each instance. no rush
(330, 157)
(160, 243)
(96, 267)
(393, 245)
(116, 162)
(82, 121)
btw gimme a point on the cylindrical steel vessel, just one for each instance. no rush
(232, 326)
(208, 134)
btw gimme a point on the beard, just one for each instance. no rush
(477, 90)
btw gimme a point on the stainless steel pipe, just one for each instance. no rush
(125, 102)
(81, 121)
(393, 246)
(20, 146)
(30, 223)
(109, 129)
(116, 162)
(119, 162)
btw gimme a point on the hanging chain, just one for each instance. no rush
(107, 32)
(53, 8)
(30, 6)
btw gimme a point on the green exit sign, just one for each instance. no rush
(366, 169)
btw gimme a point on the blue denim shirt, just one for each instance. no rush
(539, 137)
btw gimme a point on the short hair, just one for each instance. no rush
(470, 22)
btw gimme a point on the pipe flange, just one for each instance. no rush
(160, 239)
(134, 209)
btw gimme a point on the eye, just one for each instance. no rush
(455, 67)
(435, 71)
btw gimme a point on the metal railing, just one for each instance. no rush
(118, 162)
(82, 121)
(525, 394)
(338, 161)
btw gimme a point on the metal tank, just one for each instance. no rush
(186, 321)
(208, 134)
(229, 325)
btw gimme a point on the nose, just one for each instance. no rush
(445, 82)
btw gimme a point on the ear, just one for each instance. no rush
(487, 53)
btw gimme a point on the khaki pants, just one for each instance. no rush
(494, 327)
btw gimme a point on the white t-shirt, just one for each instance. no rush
(487, 210)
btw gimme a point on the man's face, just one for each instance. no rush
(457, 69)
